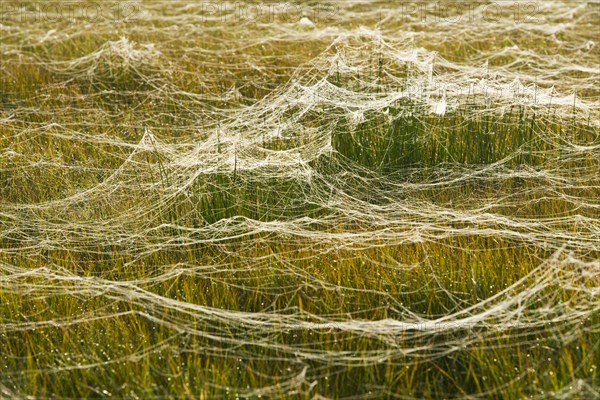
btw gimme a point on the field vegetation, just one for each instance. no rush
(356, 203)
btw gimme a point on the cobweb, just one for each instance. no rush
(207, 135)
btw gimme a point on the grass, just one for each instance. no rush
(172, 266)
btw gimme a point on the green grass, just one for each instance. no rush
(128, 273)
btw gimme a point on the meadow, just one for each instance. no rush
(326, 200)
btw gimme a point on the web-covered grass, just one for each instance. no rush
(367, 205)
